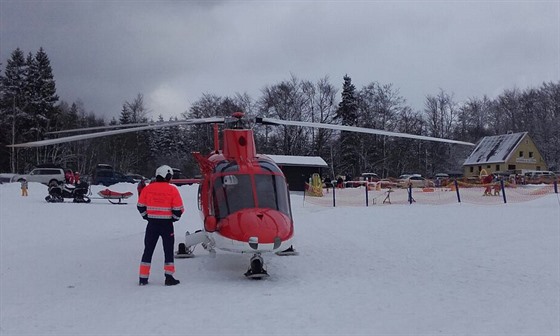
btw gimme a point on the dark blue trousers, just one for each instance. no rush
(154, 230)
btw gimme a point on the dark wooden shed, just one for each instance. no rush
(298, 169)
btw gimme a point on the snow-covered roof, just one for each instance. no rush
(292, 160)
(495, 149)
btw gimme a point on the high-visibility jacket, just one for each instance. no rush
(160, 200)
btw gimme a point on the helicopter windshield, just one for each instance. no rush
(232, 193)
(272, 193)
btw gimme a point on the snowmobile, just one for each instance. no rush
(77, 193)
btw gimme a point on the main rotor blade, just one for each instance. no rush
(119, 131)
(269, 121)
(97, 128)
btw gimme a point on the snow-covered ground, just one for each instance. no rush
(72, 269)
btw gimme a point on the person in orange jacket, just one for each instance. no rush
(160, 204)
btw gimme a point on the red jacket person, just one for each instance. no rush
(160, 204)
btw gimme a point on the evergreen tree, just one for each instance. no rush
(166, 146)
(132, 153)
(349, 142)
(43, 97)
(15, 101)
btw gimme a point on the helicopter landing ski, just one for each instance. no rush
(256, 269)
(288, 252)
(186, 248)
(183, 252)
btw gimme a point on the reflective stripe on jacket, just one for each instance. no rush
(160, 200)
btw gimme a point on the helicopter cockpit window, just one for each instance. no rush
(226, 167)
(269, 166)
(272, 193)
(232, 193)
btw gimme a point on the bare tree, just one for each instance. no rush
(287, 101)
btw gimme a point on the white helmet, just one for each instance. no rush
(165, 172)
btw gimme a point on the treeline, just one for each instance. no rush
(30, 109)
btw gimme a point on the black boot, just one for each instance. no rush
(143, 281)
(170, 280)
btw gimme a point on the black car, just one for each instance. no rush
(179, 179)
(108, 177)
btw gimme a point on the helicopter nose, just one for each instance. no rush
(257, 227)
(277, 242)
(254, 242)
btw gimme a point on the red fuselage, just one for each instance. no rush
(247, 195)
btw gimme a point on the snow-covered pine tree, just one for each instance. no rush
(133, 148)
(43, 97)
(15, 101)
(349, 141)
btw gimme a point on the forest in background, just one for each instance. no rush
(30, 108)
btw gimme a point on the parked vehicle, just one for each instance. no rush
(136, 177)
(366, 177)
(108, 177)
(103, 166)
(441, 179)
(416, 181)
(180, 179)
(43, 175)
(537, 177)
(387, 183)
(405, 176)
(7, 177)
(370, 177)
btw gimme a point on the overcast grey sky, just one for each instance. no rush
(106, 52)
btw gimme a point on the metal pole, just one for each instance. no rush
(457, 191)
(13, 150)
(503, 190)
(333, 196)
(367, 200)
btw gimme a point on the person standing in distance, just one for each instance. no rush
(160, 204)
(24, 187)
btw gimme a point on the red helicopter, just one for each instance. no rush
(243, 196)
(244, 201)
